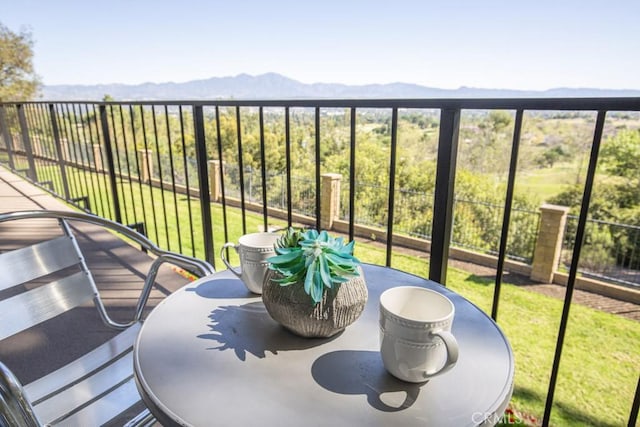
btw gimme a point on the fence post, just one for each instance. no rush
(215, 186)
(64, 145)
(26, 141)
(442, 224)
(6, 135)
(145, 160)
(549, 242)
(330, 200)
(61, 151)
(97, 157)
(203, 178)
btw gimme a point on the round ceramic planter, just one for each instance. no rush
(294, 309)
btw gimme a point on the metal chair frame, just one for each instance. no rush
(39, 403)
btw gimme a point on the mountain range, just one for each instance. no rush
(277, 86)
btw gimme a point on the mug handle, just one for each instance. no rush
(451, 344)
(224, 260)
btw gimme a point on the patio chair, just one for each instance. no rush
(40, 282)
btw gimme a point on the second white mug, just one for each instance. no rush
(415, 333)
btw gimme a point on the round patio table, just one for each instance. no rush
(209, 354)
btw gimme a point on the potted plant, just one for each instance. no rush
(314, 286)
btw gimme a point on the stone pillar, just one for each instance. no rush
(329, 199)
(64, 147)
(97, 157)
(215, 185)
(145, 161)
(37, 146)
(549, 243)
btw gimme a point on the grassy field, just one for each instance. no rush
(546, 183)
(599, 367)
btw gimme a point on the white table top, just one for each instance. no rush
(209, 354)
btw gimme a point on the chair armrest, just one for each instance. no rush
(194, 265)
(185, 262)
(15, 409)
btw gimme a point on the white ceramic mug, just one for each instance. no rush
(253, 249)
(415, 333)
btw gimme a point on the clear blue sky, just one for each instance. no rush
(514, 44)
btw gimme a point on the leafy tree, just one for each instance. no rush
(549, 157)
(18, 80)
(620, 155)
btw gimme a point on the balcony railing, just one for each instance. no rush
(148, 164)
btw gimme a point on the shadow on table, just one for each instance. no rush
(248, 328)
(362, 372)
(222, 288)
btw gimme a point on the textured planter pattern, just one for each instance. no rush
(293, 308)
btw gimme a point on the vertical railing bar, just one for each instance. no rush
(37, 158)
(63, 111)
(635, 406)
(104, 119)
(58, 145)
(83, 165)
(173, 177)
(113, 201)
(125, 152)
(94, 173)
(26, 142)
(6, 135)
(97, 198)
(188, 185)
(160, 176)
(56, 178)
(580, 233)
(241, 170)
(352, 172)
(318, 178)
(135, 156)
(36, 145)
(392, 183)
(287, 142)
(48, 158)
(221, 168)
(502, 251)
(443, 197)
(125, 208)
(203, 176)
(150, 183)
(28, 113)
(263, 169)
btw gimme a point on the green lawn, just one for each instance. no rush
(599, 368)
(546, 183)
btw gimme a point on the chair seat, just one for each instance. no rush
(91, 389)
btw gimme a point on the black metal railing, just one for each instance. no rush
(132, 162)
(611, 250)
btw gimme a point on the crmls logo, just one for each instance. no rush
(506, 418)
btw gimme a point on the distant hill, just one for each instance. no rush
(276, 86)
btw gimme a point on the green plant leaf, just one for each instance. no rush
(309, 277)
(317, 288)
(284, 258)
(325, 274)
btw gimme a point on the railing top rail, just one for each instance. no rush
(599, 221)
(573, 104)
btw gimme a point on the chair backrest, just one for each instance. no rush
(42, 281)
